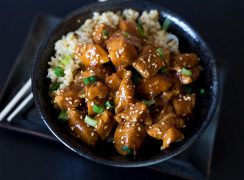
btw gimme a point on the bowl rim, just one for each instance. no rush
(187, 143)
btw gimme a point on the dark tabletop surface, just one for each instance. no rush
(220, 22)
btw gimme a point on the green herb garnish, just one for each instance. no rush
(127, 150)
(149, 102)
(98, 109)
(160, 52)
(140, 30)
(164, 70)
(66, 59)
(109, 104)
(105, 33)
(166, 24)
(90, 121)
(89, 80)
(59, 72)
(186, 72)
(127, 35)
(202, 91)
(63, 116)
(54, 87)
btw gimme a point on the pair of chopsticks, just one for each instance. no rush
(11, 110)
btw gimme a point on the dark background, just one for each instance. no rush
(221, 24)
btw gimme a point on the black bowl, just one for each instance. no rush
(150, 154)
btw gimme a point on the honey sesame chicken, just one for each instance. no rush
(125, 86)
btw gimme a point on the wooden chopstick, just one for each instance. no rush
(15, 100)
(20, 107)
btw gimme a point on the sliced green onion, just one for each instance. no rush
(63, 116)
(149, 102)
(127, 35)
(105, 33)
(186, 72)
(66, 59)
(54, 87)
(59, 72)
(202, 91)
(166, 24)
(109, 104)
(187, 90)
(140, 30)
(89, 80)
(90, 121)
(98, 109)
(127, 150)
(160, 52)
(164, 70)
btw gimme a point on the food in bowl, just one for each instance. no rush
(122, 75)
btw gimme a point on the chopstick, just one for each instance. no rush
(14, 101)
(20, 107)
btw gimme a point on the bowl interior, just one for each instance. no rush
(104, 152)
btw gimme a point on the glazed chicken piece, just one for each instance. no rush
(125, 95)
(105, 124)
(68, 97)
(137, 113)
(148, 63)
(194, 74)
(154, 86)
(128, 26)
(101, 33)
(160, 110)
(80, 129)
(158, 129)
(97, 91)
(121, 50)
(91, 54)
(184, 104)
(129, 137)
(186, 60)
(171, 135)
(101, 71)
(113, 81)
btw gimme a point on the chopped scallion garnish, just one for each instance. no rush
(202, 91)
(98, 109)
(89, 80)
(66, 59)
(109, 104)
(127, 35)
(90, 121)
(105, 33)
(160, 52)
(127, 150)
(63, 116)
(54, 87)
(149, 102)
(140, 30)
(59, 72)
(166, 24)
(164, 70)
(186, 72)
